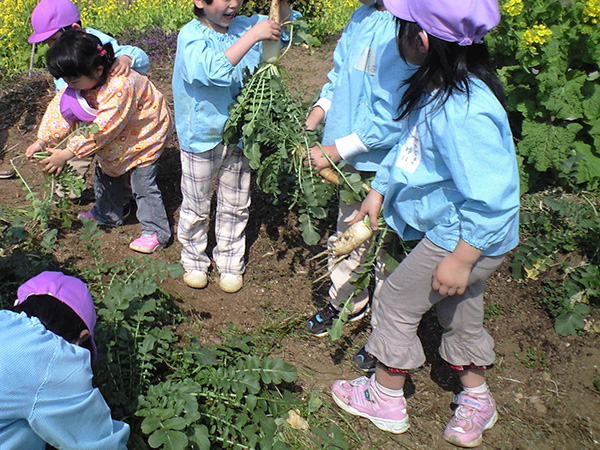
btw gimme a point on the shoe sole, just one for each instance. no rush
(145, 250)
(353, 319)
(195, 285)
(393, 426)
(477, 442)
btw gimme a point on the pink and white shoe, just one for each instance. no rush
(146, 243)
(87, 215)
(475, 414)
(361, 397)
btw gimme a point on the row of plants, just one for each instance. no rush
(174, 392)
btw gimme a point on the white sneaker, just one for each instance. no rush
(196, 279)
(230, 283)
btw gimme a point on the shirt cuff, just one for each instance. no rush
(350, 145)
(324, 104)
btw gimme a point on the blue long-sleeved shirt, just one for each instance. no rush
(205, 82)
(46, 393)
(454, 175)
(363, 94)
(140, 61)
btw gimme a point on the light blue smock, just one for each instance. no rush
(205, 82)
(46, 393)
(140, 63)
(454, 175)
(364, 88)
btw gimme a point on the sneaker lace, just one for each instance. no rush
(328, 312)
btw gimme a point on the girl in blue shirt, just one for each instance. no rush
(451, 181)
(212, 51)
(46, 393)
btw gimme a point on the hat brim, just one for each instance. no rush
(41, 37)
(399, 8)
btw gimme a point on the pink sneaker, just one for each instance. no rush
(361, 398)
(475, 414)
(86, 215)
(146, 243)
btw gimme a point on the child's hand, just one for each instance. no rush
(56, 161)
(37, 146)
(370, 206)
(451, 275)
(121, 66)
(319, 160)
(266, 30)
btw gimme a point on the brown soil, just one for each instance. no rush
(543, 383)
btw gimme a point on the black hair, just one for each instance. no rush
(447, 66)
(77, 53)
(56, 316)
(199, 12)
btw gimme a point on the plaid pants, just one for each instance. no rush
(232, 171)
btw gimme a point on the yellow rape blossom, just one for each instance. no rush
(513, 7)
(591, 11)
(539, 34)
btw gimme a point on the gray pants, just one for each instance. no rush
(148, 198)
(406, 295)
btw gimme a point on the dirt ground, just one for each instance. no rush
(543, 383)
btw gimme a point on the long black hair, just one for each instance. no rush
(447, 66)
(76, 53)
(55, 316)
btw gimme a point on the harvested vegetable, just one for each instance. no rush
(271, 48)
(270, 122)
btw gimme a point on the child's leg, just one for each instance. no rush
(197, 173)
(233, 202)
(467, 346)
(108, 209)
(150, 207)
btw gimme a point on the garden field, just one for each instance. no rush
(204, 369)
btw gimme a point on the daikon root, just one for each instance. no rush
(270, 49)
(333, 177)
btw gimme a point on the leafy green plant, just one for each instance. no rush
(548, 60)
(554, 225)
(270, 121)
(533, 358)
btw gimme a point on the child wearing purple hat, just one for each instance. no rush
(46, 394)
(452, 181)
(49, 19)
(133, 122)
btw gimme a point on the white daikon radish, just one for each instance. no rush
(271, 48)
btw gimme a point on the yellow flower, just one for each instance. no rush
(591, 11)
(539, 34)
(513, 7)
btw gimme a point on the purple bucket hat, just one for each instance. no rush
(70, 290)
(462, 21)
(75, 108)
(49, 16)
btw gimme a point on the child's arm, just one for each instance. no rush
(315, 117)
(451, 275)
(263, 30)
(127, 56)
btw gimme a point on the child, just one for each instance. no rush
(212, 52)
(360, 103)
(452, 180)
(49, 19)
(134, 123)
(46, 394)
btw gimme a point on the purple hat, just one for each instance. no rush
(462, 21)
(70, 290)
(49, 16)
(75, 108)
